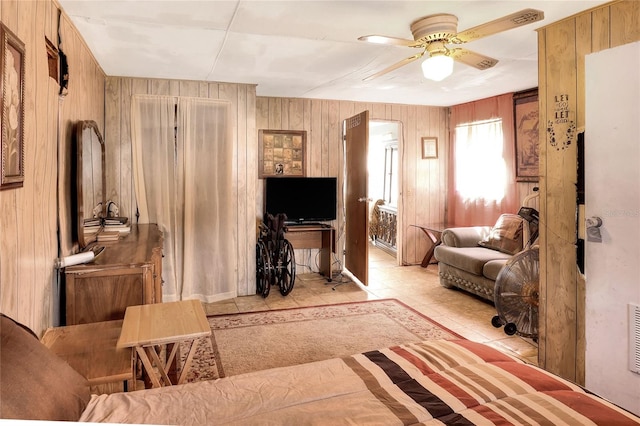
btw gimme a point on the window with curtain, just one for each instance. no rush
(183, 175)
(481, 168)
(482, 157)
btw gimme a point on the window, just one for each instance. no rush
(481, 170)
(390, 195)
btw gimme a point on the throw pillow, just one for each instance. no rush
(34, 383)
(506, 234)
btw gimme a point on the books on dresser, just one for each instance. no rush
(117, 224)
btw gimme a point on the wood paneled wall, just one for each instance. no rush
(28, 216)
(423, 181)
(119, 176)
(562, 48)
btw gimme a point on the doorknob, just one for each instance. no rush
(594, 222)
(593, 229)
(364, 199)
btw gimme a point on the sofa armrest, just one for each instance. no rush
(467, 236)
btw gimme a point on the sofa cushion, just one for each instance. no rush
(470, 259)
(506, 234)
(492, 268)
(34, 383)
(465, 236)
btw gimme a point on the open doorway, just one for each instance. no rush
(383, 184)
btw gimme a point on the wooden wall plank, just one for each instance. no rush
(324, 144)
(127, 196)
(334, 156)
(229, 92)
(29, 192)
(245, 206)
(561, 59)
(159, 87)
(314, 140)
(542, 140)
(625, 22)
(411, 174)
(600, 35)
(112, 138)
(253, 190)
(189, 88)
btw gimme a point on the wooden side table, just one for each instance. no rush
(91, 350)
(148, 326)
(434, 233)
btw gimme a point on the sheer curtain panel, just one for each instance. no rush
(183, 176)
(210, 210)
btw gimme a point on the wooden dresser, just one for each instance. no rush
(128, 272)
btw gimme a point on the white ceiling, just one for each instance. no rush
(309, 48)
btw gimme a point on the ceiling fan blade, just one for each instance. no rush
(395, 66)
(517, 19)
(472, 59)
(395, 41)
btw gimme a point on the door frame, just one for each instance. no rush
(399, 231)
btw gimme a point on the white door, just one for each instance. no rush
(612, 193)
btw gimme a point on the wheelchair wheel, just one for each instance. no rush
(287, 268)
(263, 270)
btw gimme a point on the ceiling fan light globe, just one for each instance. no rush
(437, 67)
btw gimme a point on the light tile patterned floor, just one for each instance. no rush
(415, 286)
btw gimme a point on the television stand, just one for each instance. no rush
(315, 236)
(305, 225)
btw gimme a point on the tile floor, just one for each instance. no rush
(413, 285)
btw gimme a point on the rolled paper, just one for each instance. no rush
(75, 259)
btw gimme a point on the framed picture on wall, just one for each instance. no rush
(281, 153)
(12, 69)
(526, 121)
(430, 147)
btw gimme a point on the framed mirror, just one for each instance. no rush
(90, 182)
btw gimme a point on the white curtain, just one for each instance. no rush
(481, 170)
(183, 175)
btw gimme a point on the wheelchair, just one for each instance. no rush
(275, 258)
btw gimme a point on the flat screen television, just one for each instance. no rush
(302, 199)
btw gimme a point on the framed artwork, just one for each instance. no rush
(12, 69)
(281, 153)
(429, 147)
(526, 121)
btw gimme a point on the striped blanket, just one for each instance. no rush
(430, 383)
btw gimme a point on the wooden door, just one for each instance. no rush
(356, 196)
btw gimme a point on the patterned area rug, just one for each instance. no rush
(254, 341)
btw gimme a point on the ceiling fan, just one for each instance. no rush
(433, 33)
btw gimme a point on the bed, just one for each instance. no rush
(457, 382)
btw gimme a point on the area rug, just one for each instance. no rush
(246, 342)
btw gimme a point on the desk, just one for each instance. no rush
(146, 326)
(315, 237)
(434, 233)
(91, 350)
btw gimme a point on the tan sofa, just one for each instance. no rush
(470, 258)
